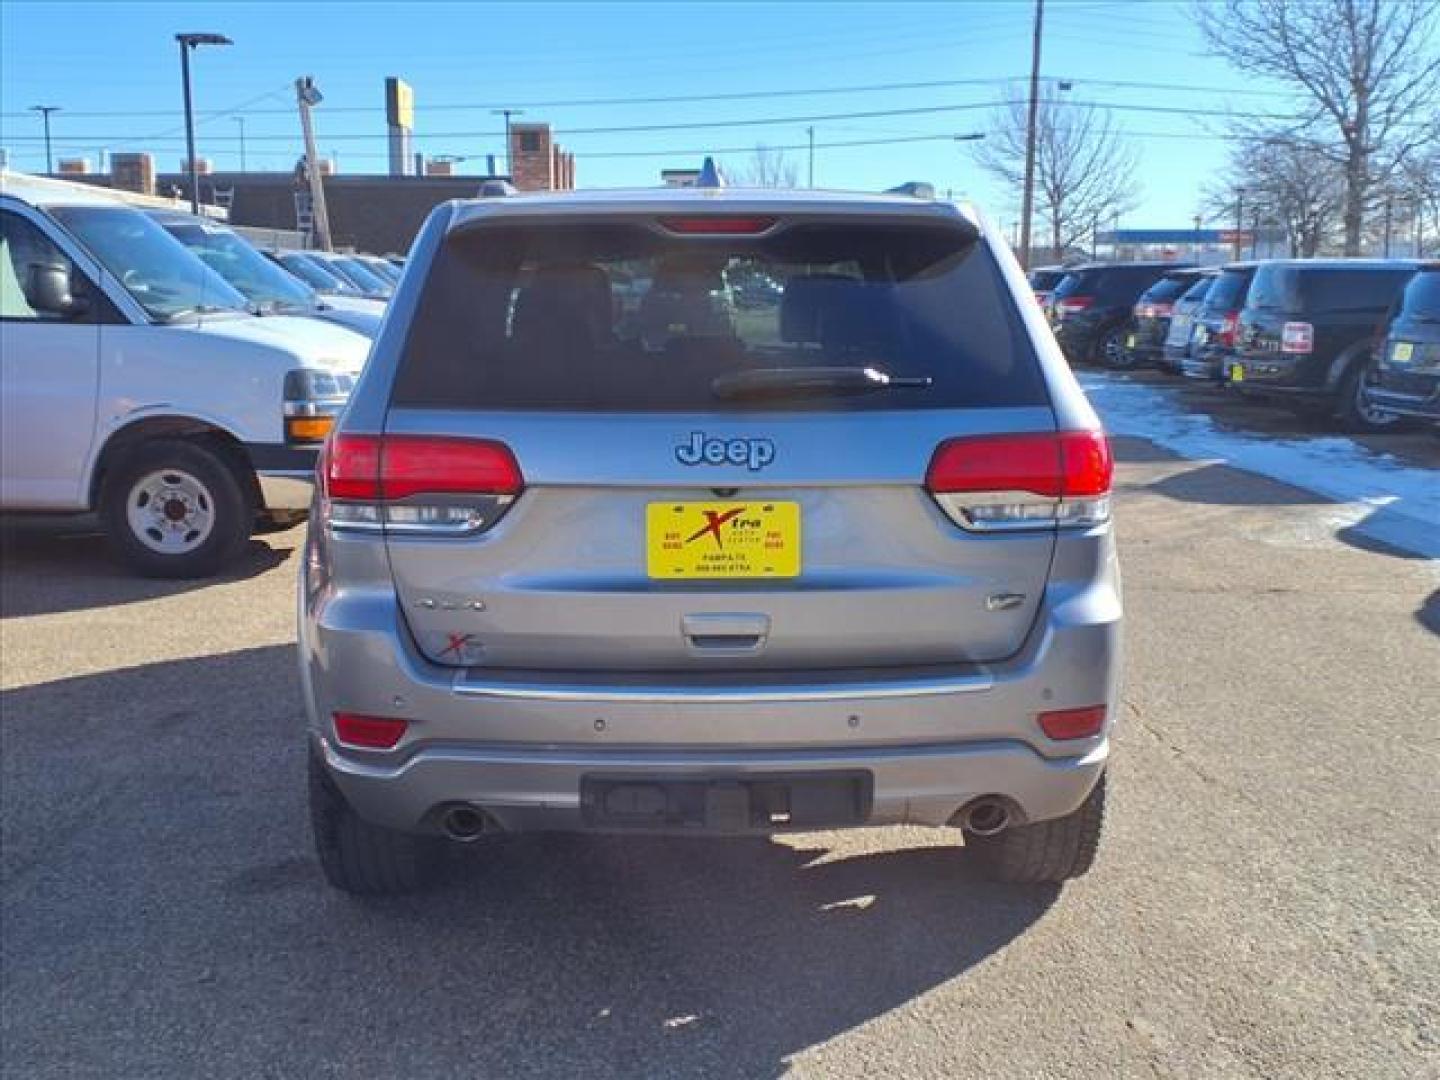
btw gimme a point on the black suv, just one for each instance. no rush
(1090, 309)
(1213, 338)
(1406, 380)
(1308, 332)
(1145, 341)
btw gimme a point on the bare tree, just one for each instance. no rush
(1084, 170)
(1284, 183)
(769, 167)
(1364, 70)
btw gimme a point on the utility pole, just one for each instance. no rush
(1239, 222)
(811, 132)
(45, 111)
(241, 121)
(188, 43)
(1387, 226)
(1027, 203)
(509, 158)
(308, 95)
(1196, 245)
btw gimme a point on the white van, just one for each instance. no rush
(135, 381)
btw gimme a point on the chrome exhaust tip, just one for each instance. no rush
(465, 823)
(985, 817)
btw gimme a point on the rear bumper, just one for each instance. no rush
(519, 744)
(538, 788)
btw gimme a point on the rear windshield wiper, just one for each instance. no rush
(804, 381)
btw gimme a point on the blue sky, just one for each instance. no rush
(554, 59)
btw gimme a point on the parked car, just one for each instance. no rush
(137, 382)
(1090, 309)
(1407, 376)
(845, 563)
(1217, 322)
(355, 272)
(1043, 280)
(313, 272)
(269, 288)
(384, 269)
(1308, 332)
(1145, 341)
(1182, 322)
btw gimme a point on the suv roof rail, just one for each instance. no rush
(918, 189)
(495, 189)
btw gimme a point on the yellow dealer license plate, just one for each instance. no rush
(732, 539)
(1237, 373)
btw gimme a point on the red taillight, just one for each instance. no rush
(1023, 481)
(417, 483)
(1229, 328)
(717, 225)
(1073, 723)
(369, 732)
(350, 467)
(424, 465)
(1297, 337)
(1073, 304)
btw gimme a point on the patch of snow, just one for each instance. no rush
(1379, 496)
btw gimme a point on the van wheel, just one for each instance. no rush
(1056, 850)
(175, 509)
(1354, 410)
(358, 857)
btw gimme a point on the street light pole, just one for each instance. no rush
(1239, 222)
(811, 132)
(187, 43)
(1027, 203)
(45, 111)
(509, 157)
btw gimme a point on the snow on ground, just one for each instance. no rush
(1375, 494)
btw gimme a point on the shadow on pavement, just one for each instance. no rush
(157, 862)
(64, 565)
(1224, 485)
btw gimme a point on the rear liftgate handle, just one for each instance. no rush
(726, 633)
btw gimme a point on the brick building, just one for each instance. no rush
(537, 161)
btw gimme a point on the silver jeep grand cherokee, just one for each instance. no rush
(712, 512)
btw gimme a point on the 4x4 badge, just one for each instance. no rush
(702, 449)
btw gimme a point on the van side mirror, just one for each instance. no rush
(50, 291)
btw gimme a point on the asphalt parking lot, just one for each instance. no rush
(1265, 904)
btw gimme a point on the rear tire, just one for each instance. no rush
(358, 857)
(173, 508)
(1353, 411)
(1048, 851)
(1110, 350)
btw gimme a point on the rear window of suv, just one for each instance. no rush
(1422, 295)
(1228, 292)
(618, 316)
(1168, 288)
(1311, 289)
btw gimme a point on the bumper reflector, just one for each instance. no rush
(1073, 723)
(369, 732)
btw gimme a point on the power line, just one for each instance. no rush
(675, 99)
